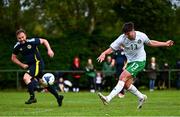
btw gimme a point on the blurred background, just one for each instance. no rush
(85, 28)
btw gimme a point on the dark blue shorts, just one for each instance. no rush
(36, 69)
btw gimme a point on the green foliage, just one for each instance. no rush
(85, 28)
(154, 17)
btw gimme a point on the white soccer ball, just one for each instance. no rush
(48, 79)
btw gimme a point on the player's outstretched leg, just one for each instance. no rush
(141, 101)
(103, 99)
(59, 98)
(114, 92)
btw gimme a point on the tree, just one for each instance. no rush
(152, 16)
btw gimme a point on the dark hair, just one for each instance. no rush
(20, 31)
(127, 27)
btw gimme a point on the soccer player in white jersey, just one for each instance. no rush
(133, 43)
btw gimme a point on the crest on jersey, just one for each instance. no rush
(139, 41)
(20, 49)
(29, 46)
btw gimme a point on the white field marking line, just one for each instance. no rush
(41, 111)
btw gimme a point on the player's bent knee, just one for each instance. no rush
(128, 83)
(27, 78)
(125, 75)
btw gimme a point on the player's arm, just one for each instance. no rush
(103, 54)
(114, 46)
(154, 43)
(48, 47)
(113, 62)
(15, 60)
(125, 64)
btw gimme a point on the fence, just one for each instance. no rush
(172, 75)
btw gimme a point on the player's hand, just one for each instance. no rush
(124, 67)
(101, 57)
(50, 53)
(24, 66)
(169, 43)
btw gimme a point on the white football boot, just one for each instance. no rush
(103, 99)
(141, 101)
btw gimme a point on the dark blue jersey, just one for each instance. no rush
(29, 50)
(119, 57)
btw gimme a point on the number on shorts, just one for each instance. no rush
(134, 66)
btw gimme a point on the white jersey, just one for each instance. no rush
(134, 49)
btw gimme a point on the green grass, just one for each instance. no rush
(159, 103)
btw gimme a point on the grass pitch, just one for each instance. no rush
(159, 103)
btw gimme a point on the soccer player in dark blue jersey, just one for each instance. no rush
(33, 64)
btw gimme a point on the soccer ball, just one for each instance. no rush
(48, 79)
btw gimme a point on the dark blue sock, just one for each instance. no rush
(36, 85)
(30, 87)
(53, 91)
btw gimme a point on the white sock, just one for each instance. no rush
(116, 90)
(135, 91)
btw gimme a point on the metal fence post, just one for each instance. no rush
(17, 80)
(169, 78)
(18, 84)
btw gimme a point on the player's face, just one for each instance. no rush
(131, 35)
(21, 37)
(90, 61)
